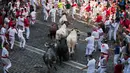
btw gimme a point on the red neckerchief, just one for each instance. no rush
(94, 30)
(103, 45)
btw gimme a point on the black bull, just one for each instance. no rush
(62, 50)
(50, 57)
(52, 30)
(57, 51)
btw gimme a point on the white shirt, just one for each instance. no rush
(52, 12)
(95, 34)
(20, 33)
(44, 6)
(18, 4)
(33, 14)
(26, 14)
(107, 23)
(6, 20)
(12, 32)
(90, 40)
(4, 52)
(21, 21)
(33, 2)
(128, 38)
(104, 48)
(91, 66)
(102, 64)
(100, 32)
(3, 31)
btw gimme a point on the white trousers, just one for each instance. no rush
(96, 44)
(67, 11)
(45, 14)
(4, 39)
(60, 11)
(115, 32)
(53, 18)
(101, 70)
(22, 42)
(73, 12)
(100, 41)
(12, 39)
(89, 50)
(7, 64)
(27, 32)
(116, 58)
(110, 33)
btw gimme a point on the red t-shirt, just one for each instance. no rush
(108, 11)
(126, 23)
(26, 22)
(99, 18)
(118, 68)
(1, 20)
(17, 14)
(88, 8)
(125, 14)
(10, 23)
(113, 10)
(74, 5)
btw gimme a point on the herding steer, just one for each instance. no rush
(63, 18)
(61, 32)
(72, 40)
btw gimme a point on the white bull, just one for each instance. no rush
(71, 41)
(61, 32)
(63, 19)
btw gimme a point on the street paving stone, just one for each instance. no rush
(26, 62)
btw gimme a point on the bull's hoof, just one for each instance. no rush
(55, 68)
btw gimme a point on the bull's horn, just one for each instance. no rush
(46, 44)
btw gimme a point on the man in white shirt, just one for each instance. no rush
(105, 50)
(45, 8)
(101, 36)
(91, 65)
(21, 21)
(33, 17)
(2, 34)
(6, 21)
(52, 12)
(107, 25)
(95, 33)
(34, 3)
(90, 45)
(5, 58)
(112, 26)
(116, 26)
(12, 31)
(102, 64)
(21, 37)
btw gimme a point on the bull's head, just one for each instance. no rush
(46, 44)
(77, 30)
